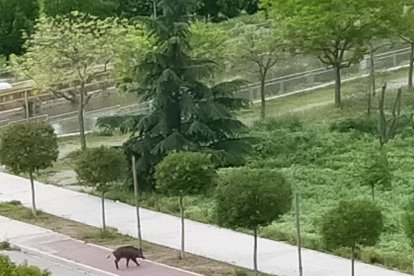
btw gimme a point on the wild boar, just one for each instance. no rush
(127, 252)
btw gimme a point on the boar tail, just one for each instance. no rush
(110, 255)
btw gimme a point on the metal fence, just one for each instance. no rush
(320, 76)
(294, 83)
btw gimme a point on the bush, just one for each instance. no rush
(188, 172)
(352, 223)
(361, 124)
(10, 269)
(291, 123)
(251, 198)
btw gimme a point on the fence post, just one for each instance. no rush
(26, 104)
(282, 87)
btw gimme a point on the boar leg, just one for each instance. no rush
(127, 260)
(116, 263)
(135, 261)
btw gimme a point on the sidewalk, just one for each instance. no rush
(88, 258)
(201, 239)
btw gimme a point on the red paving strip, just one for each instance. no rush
(96, 257)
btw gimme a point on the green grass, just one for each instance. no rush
(318, 105)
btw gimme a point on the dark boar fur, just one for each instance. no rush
(127, 252)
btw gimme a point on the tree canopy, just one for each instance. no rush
(17, 18)
(351, 223)
(334, 31)
(100, 8)
(71, 51)
(185, 172)
(27, 148)
(251, 199)
(98, 167)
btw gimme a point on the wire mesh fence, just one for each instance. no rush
(66, 123)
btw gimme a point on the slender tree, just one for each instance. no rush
(336, 32)
(70, 52)
(184, 173)
(99, 168)
(28, 148)
(251, 199)
(407, 220)
(352, 224)
(376, 172)
(261, 46)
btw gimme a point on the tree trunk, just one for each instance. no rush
(255, 251)
(103, 211)
(369, 102)
(81, 118)
(372, 72)
(263, 94)
(182, 255)
(154, 7)
(410, 70)
(337, 71)
(413, 259)
(382, 122)
(34, 211)
(298, 238)
(373, 192)
(353, 260)
(136, 191)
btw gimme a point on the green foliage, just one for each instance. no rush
(285, 142)
(186, 172)
(351, 223)
(252, 198)
(99, 167)
(28, 147)
(408, 226)
(16, 18)
(338, 38)
(361, 124)
(101, 8)
(377, 171)
(10, 269)
(210, 41)
(132, 8)
(187, 113)
(71, 51)
(220, 9)
(64, 52)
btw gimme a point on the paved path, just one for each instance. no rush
(85, 259)
(201, 239)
